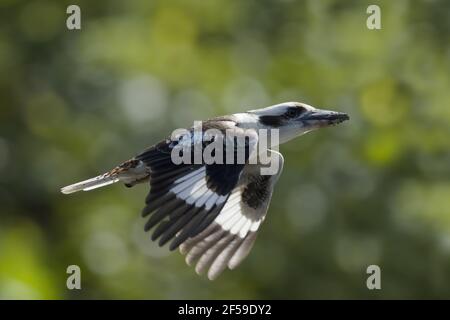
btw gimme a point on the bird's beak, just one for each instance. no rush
(323, 118)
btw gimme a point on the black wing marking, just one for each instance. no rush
(229, 238)
(184, 198)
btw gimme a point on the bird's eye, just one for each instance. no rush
(294, 112)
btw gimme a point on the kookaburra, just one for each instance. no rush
(212, 211)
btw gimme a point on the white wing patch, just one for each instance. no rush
(227, 241)
(235, 216)
(193, 189)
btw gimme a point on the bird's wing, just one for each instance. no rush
(227, 240)
(185, 198)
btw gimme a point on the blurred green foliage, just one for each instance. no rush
(375, 190)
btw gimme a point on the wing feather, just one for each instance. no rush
(210, 211)
(184, 199)
(230, 237)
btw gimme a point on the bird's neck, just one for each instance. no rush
(247, 121)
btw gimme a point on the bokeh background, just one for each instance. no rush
(375, 190)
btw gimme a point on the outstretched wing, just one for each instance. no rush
(227, 240)
(185, 198)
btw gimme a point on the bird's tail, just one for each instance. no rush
(130, 172)
(91, 184)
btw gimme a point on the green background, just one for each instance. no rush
(375, 190)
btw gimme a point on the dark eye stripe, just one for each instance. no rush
(273, 121)
(293, 112)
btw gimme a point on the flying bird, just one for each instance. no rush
(212, 211)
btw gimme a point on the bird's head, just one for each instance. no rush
(293, 119)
